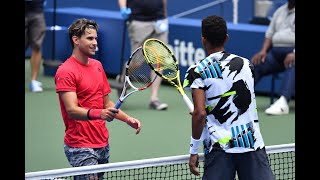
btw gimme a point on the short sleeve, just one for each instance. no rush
(65, 80)
(192, 79)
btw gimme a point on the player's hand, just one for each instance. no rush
(109, 113)
(259, 58)
(125, 12)
(134, 123)
(193, 164)
(290, 59)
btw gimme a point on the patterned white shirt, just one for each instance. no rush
(232, 119)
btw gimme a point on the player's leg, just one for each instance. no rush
(253, 166)
(103, 158)
(155, 103)
(120, 79)
(36, 56)
(78, 157)
(36, 32)
(218, 165)
(138, 31)
(154, 100)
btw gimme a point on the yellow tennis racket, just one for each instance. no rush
(162, 61)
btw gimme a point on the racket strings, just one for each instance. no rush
(161, 59)
(138, 71)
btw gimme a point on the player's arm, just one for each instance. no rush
(198, 121)
(199, 114)
(108, 104)
(121, 115)
(76, 112)
(70, 102)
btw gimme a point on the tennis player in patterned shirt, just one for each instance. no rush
(225, 116)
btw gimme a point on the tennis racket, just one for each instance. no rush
(162, 61)
(137, 76)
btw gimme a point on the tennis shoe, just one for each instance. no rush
(35, 86)
(157, 105)
(280, 107)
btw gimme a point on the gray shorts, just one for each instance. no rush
(139, 31)
(248, 166)
(85, 157)
(35, 29)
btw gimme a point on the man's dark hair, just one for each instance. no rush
(78, 28)
(214, 30)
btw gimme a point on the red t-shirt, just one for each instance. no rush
(91, 85)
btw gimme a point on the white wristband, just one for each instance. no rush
(194, 146)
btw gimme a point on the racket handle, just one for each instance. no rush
(188, 102)
(118, 104)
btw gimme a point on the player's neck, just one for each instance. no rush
(80, 57)
(214, 50)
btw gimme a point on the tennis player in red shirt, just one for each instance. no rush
(83, 91)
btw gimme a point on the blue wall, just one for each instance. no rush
(245, 9)
(184, 39)
(184, 33)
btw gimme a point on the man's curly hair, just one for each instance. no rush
(78, 28)
(214, 29)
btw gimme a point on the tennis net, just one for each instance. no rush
(281, 157)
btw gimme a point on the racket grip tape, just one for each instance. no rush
(188, 102)
(118, 104)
